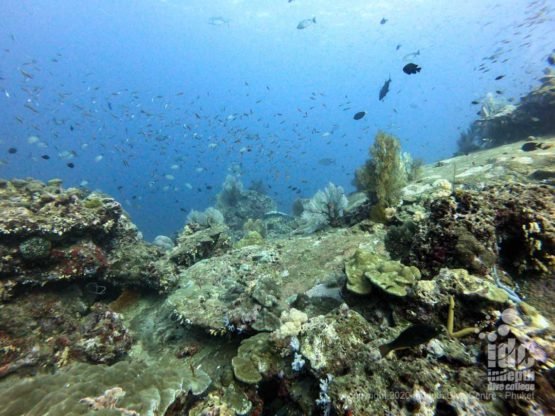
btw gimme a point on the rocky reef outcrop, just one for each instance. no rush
(52, 235)
(502, 123)
(510, 225)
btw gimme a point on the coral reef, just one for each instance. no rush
(460, 283)
(342, 347)
(230, 401)
(95, 320)
(246, 290)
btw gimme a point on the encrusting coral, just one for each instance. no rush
(365, 270)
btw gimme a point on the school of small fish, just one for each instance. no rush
(187, 141)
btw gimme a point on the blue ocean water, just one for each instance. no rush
(154, 102)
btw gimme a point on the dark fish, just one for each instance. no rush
(71, 165)
(303, 24)
(327, 161)
(531, 146)
(411, 69)
(12, 150)
(383, 21)
(45, 157)
(499, 77)
(398, 47)
(359, 115)
(411, 337)
(26, 74)
(475, 102)
(385, 89)
(30, 107)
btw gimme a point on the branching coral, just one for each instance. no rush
(324, 209)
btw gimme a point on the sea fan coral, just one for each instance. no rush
(207, 218)
(324, 209)
(231, 192)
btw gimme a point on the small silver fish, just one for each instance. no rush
(218, 21)
(303, 24)
(410, 56)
